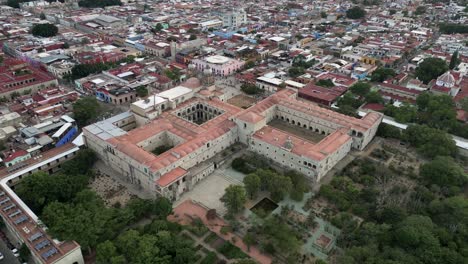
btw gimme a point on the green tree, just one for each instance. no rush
(84, 221)
(374, 97)
(40, 189)
(105, 252)
(296, 71)
(86, 110)
(158, 27)
(452, 28)
(141, 91)
(454, 60)
(234, 199)
(282, 237)
(360, 88)
(24, 252)
(299, 185)
(430, 69)
(193, 37)
(42, 16)
(14, 3)
(279, 186)
(382, 74)
(44, 30)
(430, 142)
(443, 171)
(249, 240)
(325, 83)
(355, 13)
(323, 14)
(436, 111)
(171, 38)
(98, 3)
(464, 104)
(252, 185)
(420, 10)
(14, 95)
(250, 88)
(173, 74)
(347, 110)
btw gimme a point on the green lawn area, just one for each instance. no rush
(230, 251)
(188, 238)
(210, 258)
(197, 228)
(210, 238)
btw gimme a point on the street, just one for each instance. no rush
(7, 254)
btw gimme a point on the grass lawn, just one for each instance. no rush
(230, 251)
(188, 238)
(210, 258)
(210, 238)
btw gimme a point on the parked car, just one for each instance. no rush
(15, 252)
(1, 256)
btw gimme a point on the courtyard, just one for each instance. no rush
(242, 101)
(298, 131)
(209, 191)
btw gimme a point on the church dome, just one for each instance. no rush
(192, 83)
(446, 80)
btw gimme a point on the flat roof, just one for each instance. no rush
(149, 102)
(274, 81)
(175, 92)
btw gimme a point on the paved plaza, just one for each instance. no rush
(211, 189)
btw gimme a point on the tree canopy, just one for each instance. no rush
(451, 28)
(454, 60)
(234, 199)
(430, 69)
(325, 83)
(141, 91)
(430, 142)
(98, 3)
(444, 171)
(355, 13)
(382, 74)
(40, 188)
(360, 88)
(44, 30)
(249, 88)
(86, 110)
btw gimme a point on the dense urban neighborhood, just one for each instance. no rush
(234, 132)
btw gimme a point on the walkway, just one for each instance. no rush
(186, 211)
(199, 241)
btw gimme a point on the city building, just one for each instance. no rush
(218, 65)
(234, 19)
(192, 132)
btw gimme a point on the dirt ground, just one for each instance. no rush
(296, 130)
(110, 190)
(242, 101)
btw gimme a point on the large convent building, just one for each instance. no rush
(170, 141)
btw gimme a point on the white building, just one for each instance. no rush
(234, 19)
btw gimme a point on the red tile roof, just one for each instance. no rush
(171, 176)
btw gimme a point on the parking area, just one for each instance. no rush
(8, 257)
